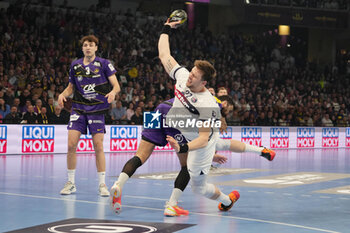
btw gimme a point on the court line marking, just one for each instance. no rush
(197, 213)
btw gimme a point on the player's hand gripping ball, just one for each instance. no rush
(178, 15)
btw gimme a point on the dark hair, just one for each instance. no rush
(208, 69)
(90, 38)
(226, 98)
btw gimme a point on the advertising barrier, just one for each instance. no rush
(34, 139)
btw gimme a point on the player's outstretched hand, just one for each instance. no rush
(221, 159)
(110, 96)
(61, 100)
(173, 143)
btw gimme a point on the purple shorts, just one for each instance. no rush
(95, 123)
(158, 136)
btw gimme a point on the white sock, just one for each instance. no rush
(224, 199)
(175, 195)
(250, 148)
(71, 175)
(101, 177)
(123, 177)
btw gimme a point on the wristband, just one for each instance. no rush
(183, 148)
(166, 30)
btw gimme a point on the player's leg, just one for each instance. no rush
(97, 140)
(240, 147)
(181, 181)
(143, 152)
(73, 139)
(199, 163)
(96, 124)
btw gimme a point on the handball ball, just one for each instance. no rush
(178, 15)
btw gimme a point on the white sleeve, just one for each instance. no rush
(179, 73)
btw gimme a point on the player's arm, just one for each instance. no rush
(164, 48)
(197, 143)
(116, 88)
(67, 92)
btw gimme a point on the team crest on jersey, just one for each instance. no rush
(96, 70)
(80, 78)
(194, 99)
(179, 137)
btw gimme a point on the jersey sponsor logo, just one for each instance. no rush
(152, 120)
(123, 138)
(111, 67)
(251, 135)
(347, 137)
(3, 139)
(305, 137)
(279, 137)
(330, 137)
(85, 143)
(38, 139)
(185, 101)
(97, 63)
(227, 135)
(90, 88)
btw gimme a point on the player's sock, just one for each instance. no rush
(123, 177)
(224, 199)
(71, 175)
(101, 177)
(180, 184)
(175, 195)
(250, 148)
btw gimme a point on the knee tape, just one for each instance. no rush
(223, 144)
(206, 190)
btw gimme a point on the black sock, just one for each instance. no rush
(131, 166)
(182, 179)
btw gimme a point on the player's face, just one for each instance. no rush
(195, 78)
(89, 48)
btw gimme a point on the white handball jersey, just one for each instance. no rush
(190, 107)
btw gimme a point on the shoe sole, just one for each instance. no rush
(115, 193)
(272, 156)
(117, 208)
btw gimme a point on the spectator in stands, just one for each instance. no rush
(13, 117)
(137, 118)
(130, 111)
(326, 121)
(118, 112)
(30, 117)
(4, 108)
(42, 117)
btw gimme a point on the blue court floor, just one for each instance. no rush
(300, 191)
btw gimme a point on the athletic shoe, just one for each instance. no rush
(172, 211)
(68, 188)
(234, 196)
(115, 199)
(103, 190)
(268, 154)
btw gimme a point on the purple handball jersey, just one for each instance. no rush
(91, 84)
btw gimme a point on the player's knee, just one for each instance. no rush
(198, 189)
(72, 147)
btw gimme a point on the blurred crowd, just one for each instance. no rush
(320, 4)
(270, 85)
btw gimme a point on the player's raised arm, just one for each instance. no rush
(164, 48)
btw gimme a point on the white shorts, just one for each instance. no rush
(199, 161)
